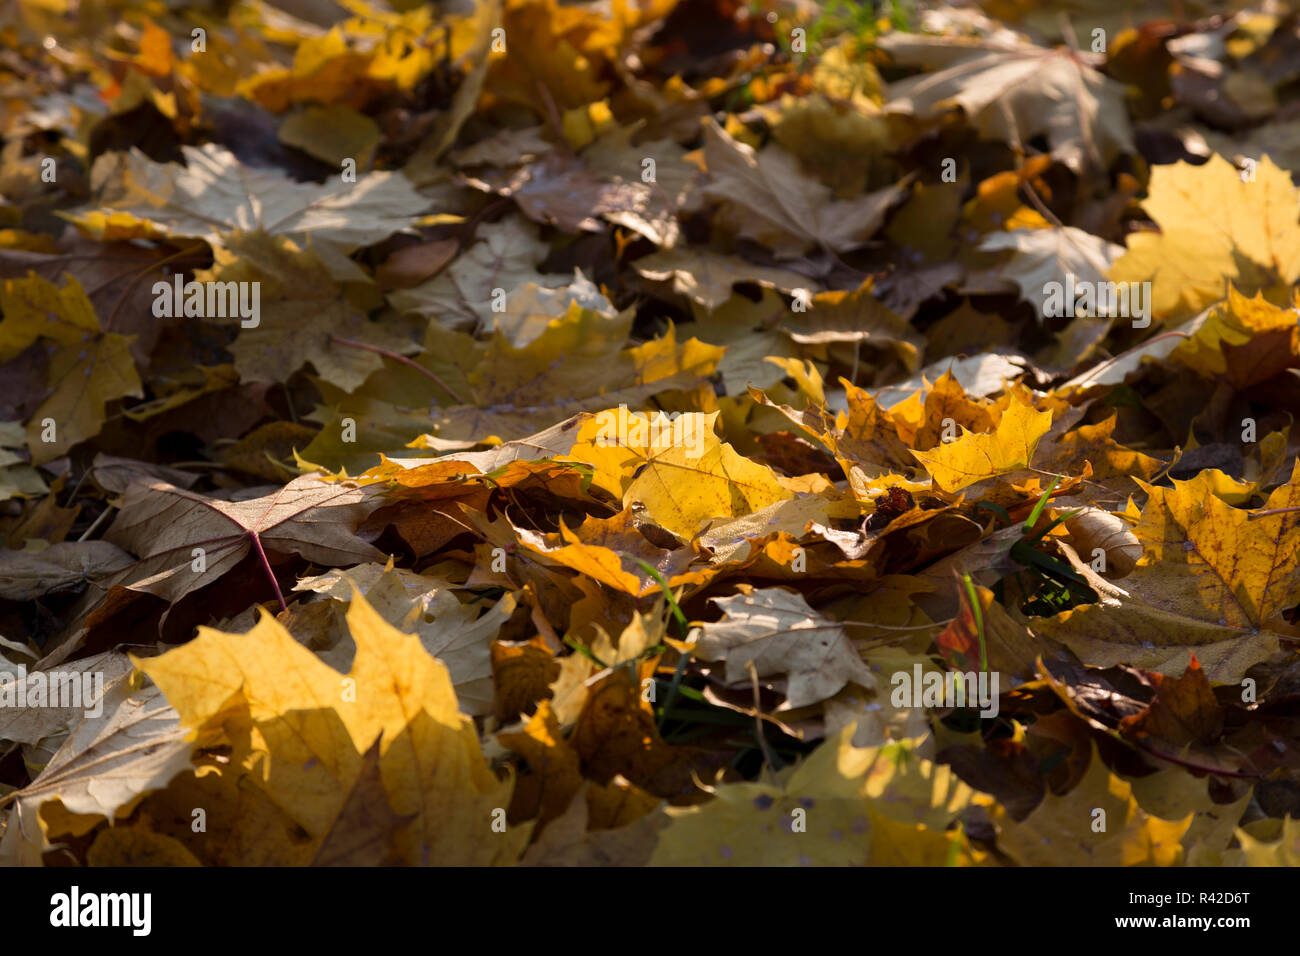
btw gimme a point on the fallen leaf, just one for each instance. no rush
(165, 526)
(973, 457)
(316, 728)
(780, 634)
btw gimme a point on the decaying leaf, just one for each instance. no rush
(214, 195)
(779, 633)
(1013, 91)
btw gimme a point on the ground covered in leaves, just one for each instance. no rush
(606, 432)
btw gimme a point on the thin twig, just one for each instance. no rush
(77, 487)
(288, 400)
(97, 522)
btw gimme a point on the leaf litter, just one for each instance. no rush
(522, 434)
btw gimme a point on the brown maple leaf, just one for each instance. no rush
(185, 540)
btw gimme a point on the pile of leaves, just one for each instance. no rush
(621, 415)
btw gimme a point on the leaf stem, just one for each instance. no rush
(266, 566)
(1270, 511)
(97, 522)
(354, 344)
(140, 273)
(1172, 333)
(768, 757)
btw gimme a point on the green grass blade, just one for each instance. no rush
(979, 620)
(1038, 508)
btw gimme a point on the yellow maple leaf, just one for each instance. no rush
(553, 55)
(1210, 561)
(577, 363)
(1211, 581)
(1099, 822)
(617, 441)
(554, 773)
(1215, 228)
(325, 70)
(1235, 323)
(35, 308)
(156, 57)
(677, 469)
(90, 369)
(1135, 633)
(310, 726)
(1171, 794)
(1094, 444)
(975, 457)
(1284, 851)
(842, 806)
(921, 424)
